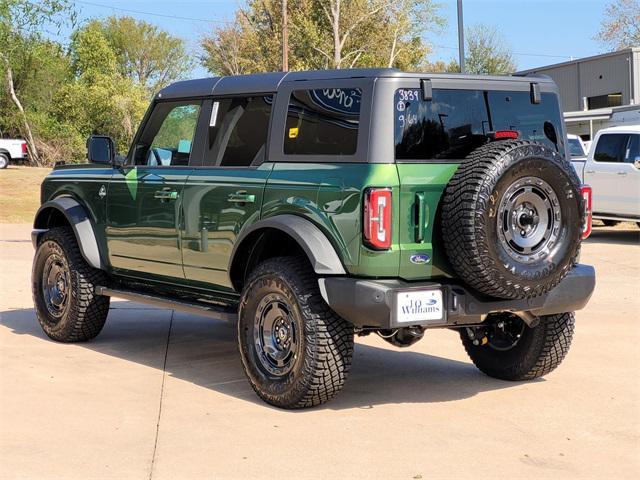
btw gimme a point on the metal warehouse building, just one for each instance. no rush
(598, 91)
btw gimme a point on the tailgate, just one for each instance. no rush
(421, 189)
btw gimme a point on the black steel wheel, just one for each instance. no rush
(505, 347)
(276, 335)
(296, 352)
(56, 285)
(63, 287)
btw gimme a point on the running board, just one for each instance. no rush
(199, 308)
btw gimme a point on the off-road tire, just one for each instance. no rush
(470, 212)
(539, 351)
(326, 341)
(85, 312)
(610, 223)
(4, 161)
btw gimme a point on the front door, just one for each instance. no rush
(612, 175)
(225, 194)
(145, 196)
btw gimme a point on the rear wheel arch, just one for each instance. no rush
(66, 211)
(284, 235)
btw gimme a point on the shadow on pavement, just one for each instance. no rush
(613, 236)
(204, 352)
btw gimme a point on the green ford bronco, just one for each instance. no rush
(310, 207)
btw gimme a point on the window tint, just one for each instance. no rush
(238, 131)
(167, 137)
(323, 122)
(610, 148)
(633, 149)
(455, 122)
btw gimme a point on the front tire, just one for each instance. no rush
(610, 223)
(506, 348)
(296, 352)
(63, 286)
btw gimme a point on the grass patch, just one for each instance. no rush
(20, 193)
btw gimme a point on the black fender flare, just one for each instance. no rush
(82, 227)
(319, 250)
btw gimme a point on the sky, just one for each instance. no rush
(540, 32)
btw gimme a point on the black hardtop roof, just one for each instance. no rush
(269, 82)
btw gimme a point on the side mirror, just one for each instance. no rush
(100, 149)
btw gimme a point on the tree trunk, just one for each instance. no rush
(34, 157)
(337, 45)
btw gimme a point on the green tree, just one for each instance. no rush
(21, 23)
(100, 100)
(144, 53)
(620, 26)
(486, 51)
(323, 34)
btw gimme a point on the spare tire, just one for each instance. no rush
(511, 219)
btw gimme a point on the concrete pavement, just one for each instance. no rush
(162, 395)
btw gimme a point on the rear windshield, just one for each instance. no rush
(455, 122)
(575, 147)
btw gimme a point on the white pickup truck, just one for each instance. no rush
(12, 150)
(612, 169)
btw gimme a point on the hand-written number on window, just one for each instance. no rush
(408, 95)
(408, 119)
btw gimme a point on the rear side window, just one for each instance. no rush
(323, 122)
(455, 122)
(610, 148)
(238, 131)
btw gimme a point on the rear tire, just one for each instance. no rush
(4, 161)
(536, 352)
(296, 352)
(63, 286)
(610, 223)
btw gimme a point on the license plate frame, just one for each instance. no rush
(407, 311)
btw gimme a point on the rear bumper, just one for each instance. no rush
(371, 303)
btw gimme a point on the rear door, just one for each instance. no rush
(226, 191)
(609, 176)
(145, 196)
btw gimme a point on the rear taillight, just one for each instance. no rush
(24, 148)
(585, 191)
(377, 218)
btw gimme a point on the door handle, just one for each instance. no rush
(241, 197)
(165, 194)
(590, 171)
(421, 214)
(624, 174)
